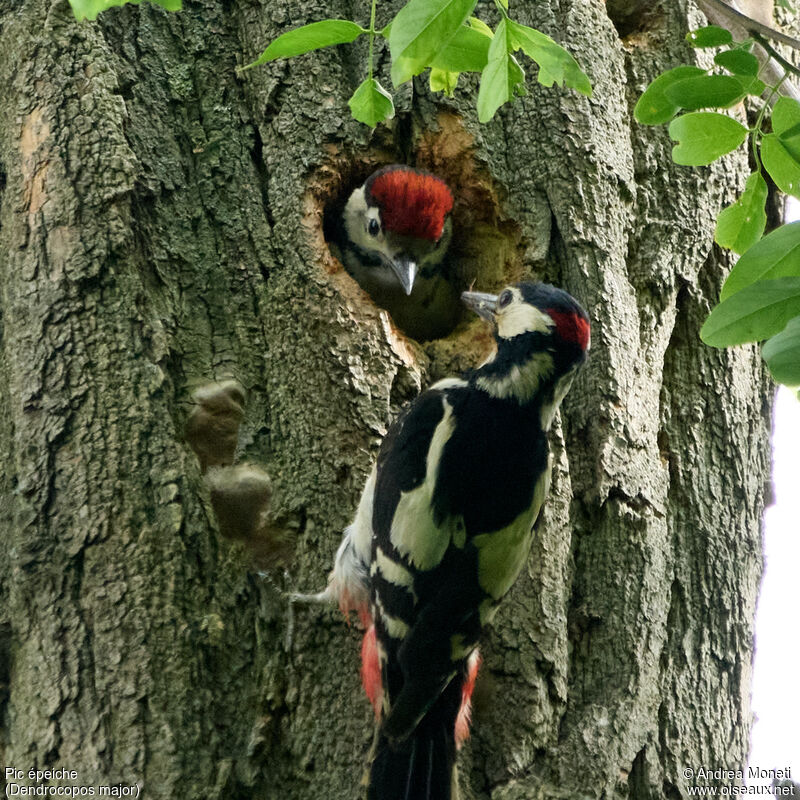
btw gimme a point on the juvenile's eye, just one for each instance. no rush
(505, 298)
(374, 227)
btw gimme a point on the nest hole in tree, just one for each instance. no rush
(634, 19)
(485, 251)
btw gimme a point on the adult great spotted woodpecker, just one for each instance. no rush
(443, 529)
(394, 235)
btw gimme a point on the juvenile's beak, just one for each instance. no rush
(484, 305)
(405, 267)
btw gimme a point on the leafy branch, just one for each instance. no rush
(751, 26)
(760, 300)
(443, 36)
(89, 9)
(440, 35)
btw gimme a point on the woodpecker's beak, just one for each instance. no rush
(405, 267)
(484, 305)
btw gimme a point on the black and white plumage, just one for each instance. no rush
(444, 528)
(394, 235)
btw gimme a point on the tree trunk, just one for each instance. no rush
(162, 225)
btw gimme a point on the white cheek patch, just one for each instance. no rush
(520, 382)
(521, 317)
(354, 212)
(357, 215)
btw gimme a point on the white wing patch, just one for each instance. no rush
(394, 626)
(502, 554)
(393, 572)
(414, 533)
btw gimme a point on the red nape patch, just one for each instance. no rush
(412, 203)
(571, 327)
(371, 669)
(465, 712)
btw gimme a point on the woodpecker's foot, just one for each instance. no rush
(322, 598)
(325, 597)
(241, 498)
(212, 429)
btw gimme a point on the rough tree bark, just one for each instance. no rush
(162, 225)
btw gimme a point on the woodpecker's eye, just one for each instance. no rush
(505, 298)
(374, 227)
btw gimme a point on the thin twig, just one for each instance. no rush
(740, 25)
(372, 33)
(787, 65)
(753, 26)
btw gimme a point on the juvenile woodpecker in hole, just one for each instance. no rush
(443, 529)
(394, 236)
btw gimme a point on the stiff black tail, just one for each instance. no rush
(422, 767)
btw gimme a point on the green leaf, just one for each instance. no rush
(556, 65)
(780, 164)
(704, 136)
(653, 107)
(502, 79)
(777, 255)
(371, 103)
(784, 4)
(421, 29)
(744, 65)
(467, 51)
(786, 123)
(325, 33)
(782, 354)
(752, 85)
(739, 62)
(741, 225)
(443, 81)
(89, 9)
(480, 26)
(755, 313)
(785, 115)
(705, 91)
(710, 36)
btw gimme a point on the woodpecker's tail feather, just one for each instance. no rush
(422, 767)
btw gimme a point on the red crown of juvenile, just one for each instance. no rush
(412, 203)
